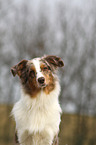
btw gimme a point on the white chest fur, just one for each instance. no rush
(41, 114)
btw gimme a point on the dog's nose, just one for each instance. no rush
(41, 80)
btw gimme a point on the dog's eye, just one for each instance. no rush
(45, 68)
(32, 73)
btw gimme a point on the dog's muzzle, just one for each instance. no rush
(41, 81)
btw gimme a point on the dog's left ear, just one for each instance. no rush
(17, 69)
(54, 60)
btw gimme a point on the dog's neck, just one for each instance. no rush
(42, 98)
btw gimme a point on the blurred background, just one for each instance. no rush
(65, 28)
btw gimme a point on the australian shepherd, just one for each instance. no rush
(37, 114)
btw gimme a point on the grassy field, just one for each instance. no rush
(74, 129)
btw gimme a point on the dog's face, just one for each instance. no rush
(38, 73)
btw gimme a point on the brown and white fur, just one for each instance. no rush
(37, 113)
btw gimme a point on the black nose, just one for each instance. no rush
(41, 80)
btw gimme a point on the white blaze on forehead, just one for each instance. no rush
(36, 63)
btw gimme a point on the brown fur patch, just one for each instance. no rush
(29, 81)
(17, 69)
(27, 74)
(49, 79)
(54, 61)
(50, 83)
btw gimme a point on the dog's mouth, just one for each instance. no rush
(42, 85)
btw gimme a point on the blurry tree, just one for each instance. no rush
(79, 55)
(29, 29)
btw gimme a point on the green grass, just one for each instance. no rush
(74, 129)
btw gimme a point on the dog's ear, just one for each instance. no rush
(17, 69)
(55, 61)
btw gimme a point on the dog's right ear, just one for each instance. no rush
(54, 61)
(17, 69)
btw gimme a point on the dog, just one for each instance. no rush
(38, 114)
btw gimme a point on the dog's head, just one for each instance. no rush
(38, 73)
